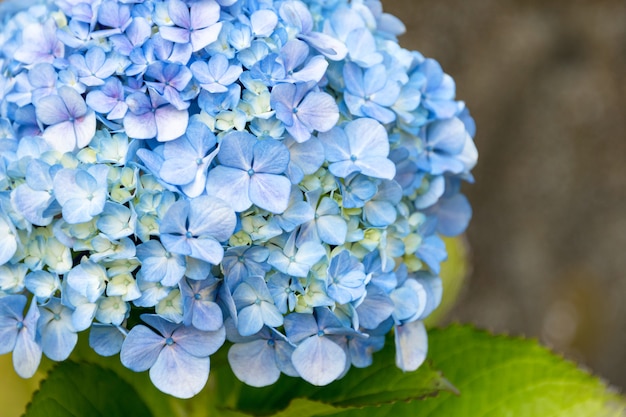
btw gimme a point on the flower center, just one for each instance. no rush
(188, 235)
(19, 325)
(251, 172)
(197, 296)
(169, 341)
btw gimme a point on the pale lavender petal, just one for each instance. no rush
(203, 37)
(142, 126)
(61, 136)
(319, 111)
(171, 123)
(85, 129)
(51, 110)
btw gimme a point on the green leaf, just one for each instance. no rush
(381, 383)
(504, 376)
(78, 390)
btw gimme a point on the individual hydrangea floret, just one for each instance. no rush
(176, 173)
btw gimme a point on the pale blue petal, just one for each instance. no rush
(58, 339)
(336, 145)
(270, 157)
(141, 348)
(199, 343)
(207, 316)
(411, 345)
(206, 249)
(105, 340)
(318, 111)
(270, 192)
(380, 213)
(212, 217)
(236, 150)
(26, 355)
(375, 308)
(319, 361)
(175, 219)
(254, 363)
(453, 215)
(250, 320)
(230, 184)
(171, 123)
(178, 373)
(332, 229)
(178, 171)
(299, 326)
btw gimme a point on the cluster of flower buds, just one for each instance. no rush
(175, 174)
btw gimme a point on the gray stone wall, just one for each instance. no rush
(546, 83)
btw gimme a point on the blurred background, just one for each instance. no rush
(546, 83)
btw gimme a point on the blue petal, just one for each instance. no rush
(141, 348)
(230, 184)
(254, 363)
(318, 360)
(178, 373)
(199, 343)
(105, 340)
(270, 192)
(270, 157)
(411, 345)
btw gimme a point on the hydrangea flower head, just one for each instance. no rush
(178, 177)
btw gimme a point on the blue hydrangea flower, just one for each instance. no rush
(17, 334)
(176, 355)
(250, 172)
(280, 171)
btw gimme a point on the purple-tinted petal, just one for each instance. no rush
(171, 123)
(51, 110)
(203, 37)
(318, 111)
(85, 129)
(140, 126)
